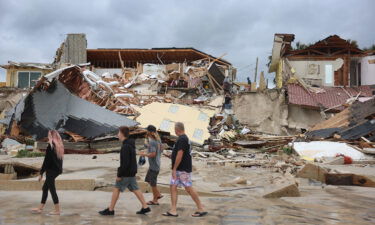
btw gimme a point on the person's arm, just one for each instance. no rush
(179, 155)
(150, 155)
(46, 158)
(167, 155)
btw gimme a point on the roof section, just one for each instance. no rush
(328, 47)
(57, 108)
(328, 97)
(43, 66)
(109, 58)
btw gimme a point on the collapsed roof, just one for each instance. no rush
(353, 123)
(332, 46)
(53, 105)
(111, 58)
(43, 66)
(325, 98)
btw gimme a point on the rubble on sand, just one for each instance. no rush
(353, 123)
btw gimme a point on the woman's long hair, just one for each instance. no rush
(54, 139)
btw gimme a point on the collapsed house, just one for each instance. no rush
(53, 105)
(91, 92)
(332, 61)
(312, 84)
(24, 75)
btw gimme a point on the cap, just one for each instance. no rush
(151, 128)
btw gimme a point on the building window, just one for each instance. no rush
(173, 109)
(328, 74)
(198, 134)
(28, 79)
(165, 125)
(202, 116)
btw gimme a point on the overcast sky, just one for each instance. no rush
(31, 30)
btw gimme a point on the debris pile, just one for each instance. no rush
(85, 106)
(355, 125)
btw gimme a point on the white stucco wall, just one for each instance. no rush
(316, 70)
(367, 70)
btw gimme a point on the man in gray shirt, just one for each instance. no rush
(153, 144)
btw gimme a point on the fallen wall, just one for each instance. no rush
(303, 118)
(269, 112)
(262, 111)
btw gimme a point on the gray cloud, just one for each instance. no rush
(32, 30)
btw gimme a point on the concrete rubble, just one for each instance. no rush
(288, 190)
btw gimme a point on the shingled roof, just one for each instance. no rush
(327, 97)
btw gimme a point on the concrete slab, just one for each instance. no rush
(28, 185)
(313, 171)
(287, 190)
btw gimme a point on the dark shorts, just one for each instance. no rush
(127, 182)
(152, 177)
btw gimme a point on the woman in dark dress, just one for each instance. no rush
(52, 166)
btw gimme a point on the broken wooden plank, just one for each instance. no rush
(249, 144)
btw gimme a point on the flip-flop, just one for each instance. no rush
(169, 214)
(199, 214)
(161, 196)
(152, 203)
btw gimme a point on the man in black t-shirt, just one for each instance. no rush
(181, 172)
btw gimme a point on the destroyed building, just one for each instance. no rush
(332, 61)
(25, 74)
(312, 84)
(102, 89)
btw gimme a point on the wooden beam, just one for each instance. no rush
(318, 52)
(337, 52)
(212, 83)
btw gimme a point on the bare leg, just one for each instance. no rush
(173, 199)
(115, 196)
(155, 193)
(140, 197)
(57, 207)
(57, 210)
(195, 197)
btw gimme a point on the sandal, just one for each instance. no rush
(170, 214)
(161, 196)
(152, 203)
(199, 214)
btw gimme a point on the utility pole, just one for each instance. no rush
(256, 71)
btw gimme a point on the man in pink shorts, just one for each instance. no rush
(181, 172)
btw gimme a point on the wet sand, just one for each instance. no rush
(332, 205)
(318, 204)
